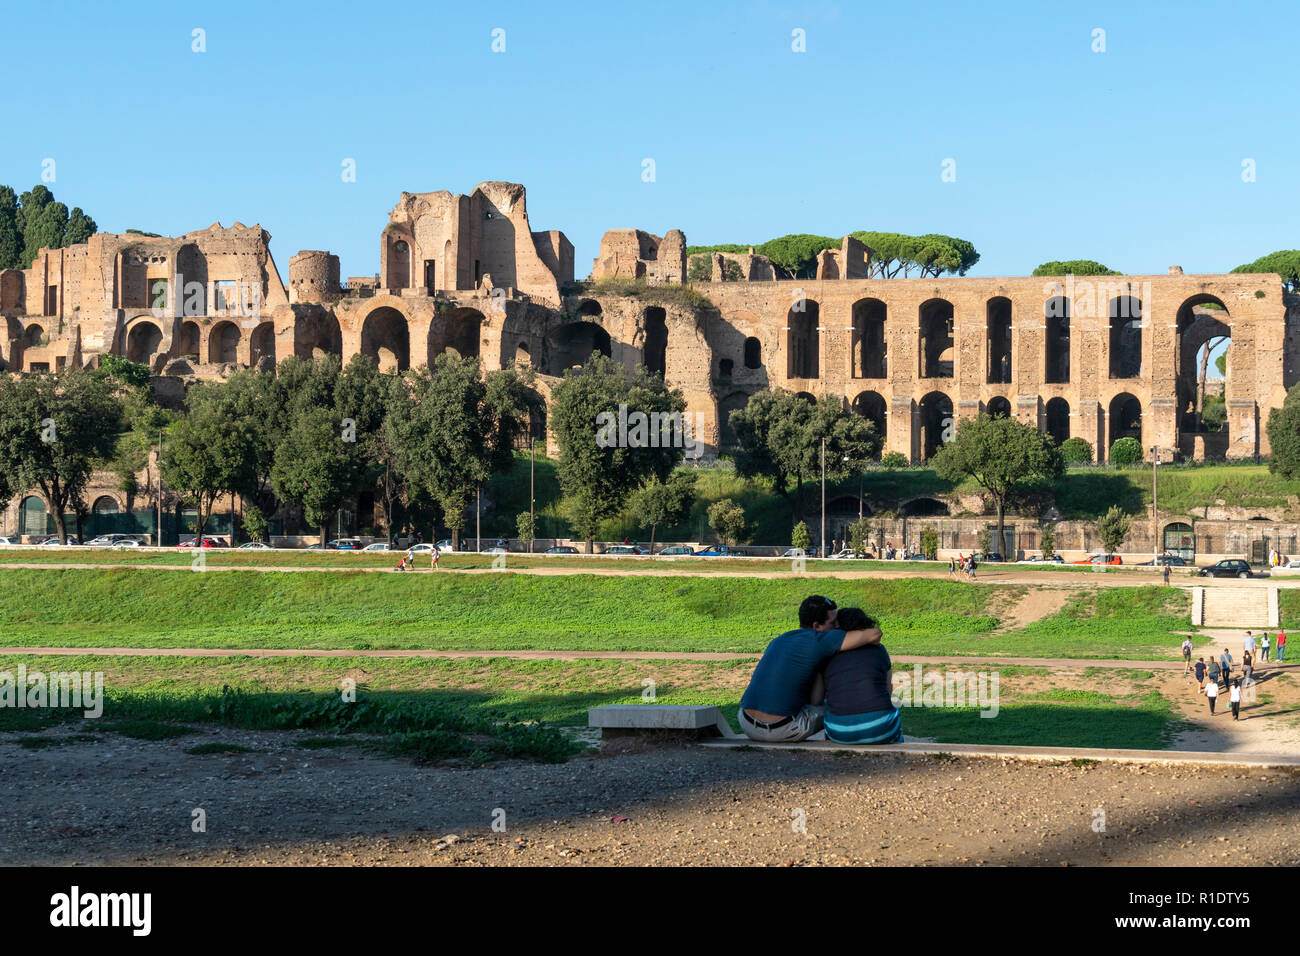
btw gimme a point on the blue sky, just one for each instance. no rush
(1132, 156)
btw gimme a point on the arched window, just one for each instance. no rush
(753, 353)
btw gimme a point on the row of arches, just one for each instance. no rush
(144, 339)
(935, 330)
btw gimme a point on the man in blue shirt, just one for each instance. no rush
(784, 697)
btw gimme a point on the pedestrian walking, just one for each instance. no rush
(1263, 648)
(1212, 672)
(972, 566)
(952, 567)
(1234, 698)
(1248, 643)
(1199, 673)
(1212, 692)
(1281, 645)
(433, 560)
(1225, 666)
(1187, 654)
(1247, 667)
(1166, 572)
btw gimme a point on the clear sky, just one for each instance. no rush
(1132, 156)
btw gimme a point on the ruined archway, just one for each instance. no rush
(936, 331)
(457, 331)
(803, 340)
(1056, 367)
(1125, 418)
(871, 406)
(1056, 416)
(998, 407)
(386, 338)
(262, 344)
(188, 342)
(870, 345)
(998, 334)
(937, 423)
(1202, 363)
(399, 265)
(223, 343)
(317, 334)
(142, 342)
(572, 344)
(656, 341)
(1125, 337)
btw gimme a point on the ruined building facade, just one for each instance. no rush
(1097, 358)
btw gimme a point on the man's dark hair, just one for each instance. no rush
(815, 610)
(853, 619)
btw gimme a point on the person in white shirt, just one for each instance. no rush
(1187, 655)
(1234, 698)
(1212, 692)
(1248, 643)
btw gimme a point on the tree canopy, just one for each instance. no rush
(1075, 267)
(1285, 262)
(795, 256)
(35, 220)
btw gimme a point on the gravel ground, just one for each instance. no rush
(120, 801)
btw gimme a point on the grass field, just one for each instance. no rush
(295, 610)
(427, 704)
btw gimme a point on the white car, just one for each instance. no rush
(376, 546)
(1289, 569)
(9, 542)
(254, 546)
(126, 543)
(53, 541)
(106, 540)
(424, 548)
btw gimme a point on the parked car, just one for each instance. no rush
(1172, 560)
(1101, 558)
(106, 540)
(127, 543)
(315, 547)
(424, 548)
(443, 546)
(848, 553)
(626, 549)
(344, 544)
(718, 550)
(255, 546)
(993, 557)
(53, 541)
(9, 542)
(678, 549)
(561, 549)
(207, 543)
(1227, 568)
(1291, 567)
(376, 546)
(1039, 559)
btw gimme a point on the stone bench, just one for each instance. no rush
(660, 721)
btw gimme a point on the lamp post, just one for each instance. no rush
(823, 537)
(1155, 505)
(532, 492)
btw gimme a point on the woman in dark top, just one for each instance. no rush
(859, 691)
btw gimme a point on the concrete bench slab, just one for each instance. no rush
(622, 719)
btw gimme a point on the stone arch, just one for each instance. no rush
(522, 355)
(386, 338)
(457, 331)
(936, 422)
(1056, 416)
(571, 345)
(317, 332)
(726, 434)
(1179, 539)
(872, 407)
(923, 506)
(753, 353)
(223, 342)
(870, 343)
(589, 307)
(143, 340)
(192, 270)
(1125, 337)
(1124, 418)
(1203, 329)
(656, 341)
(935, 318)
(189, 342)
(105, 505)
(806, 396)
(262, 344)
(399, 262)
(997, 315)
(998, 407)
(32, 336)
(803, 341)
(32, 516)
(1056, 367)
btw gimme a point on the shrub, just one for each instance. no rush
(799, 537)
(727, 519)
(1113, 527)
(860, 534)
(895, 459)
(929, 543)
(1076, 449)
(1048, 538)
(1125, 451)
(700, 269)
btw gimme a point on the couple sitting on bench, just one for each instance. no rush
(832, 674)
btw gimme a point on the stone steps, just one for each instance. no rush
(1235, 607)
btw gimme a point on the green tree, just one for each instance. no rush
(525, 527)
(894, 459)
(255, 524)
(930, 255)
(1125, 451)
(800, 538)
(80, 227)
(699, 269)
(930, 542)
(54, 430)
(11, 237)
(795, 256)
(1077, 267)
(860, 535)
(209, 452)
(124, 371)
(727, 519)
(314, 467)
(1076, 449)
(601, 464)
(1002, 455)
(1047, 538)
(664, 502)
(1113, 528)
(1283, 429)
(1285, 262)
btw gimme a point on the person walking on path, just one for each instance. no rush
(1212, 692)
(1213, 672)
(1248, 643)
(1166, 573)
(1247, 667)
(1235, 698)
(1187, 654)
(1225, 666)
(433, 559)
(1281, 645)
(1199, 673)
(1263, 648)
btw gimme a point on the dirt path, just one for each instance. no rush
(120, 801)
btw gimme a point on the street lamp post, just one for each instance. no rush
(532, 492)
(1155, 505)
(823, 537)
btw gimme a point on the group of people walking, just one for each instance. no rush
(1216, 676)
(963, 564)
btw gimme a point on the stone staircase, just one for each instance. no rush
(1234, 607)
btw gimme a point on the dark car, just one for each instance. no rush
(717, 551)
(993, 556)
(1172, 560)
(562, 549)
(678, 549)
(1227, 568)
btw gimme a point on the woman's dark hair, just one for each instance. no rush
(853, 619)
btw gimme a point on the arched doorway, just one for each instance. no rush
(386, 338)
(998, 407)
(1057, 416)
(937, 423)
(753, 353)
(1180, 540)
(262, 343)
(1125, 418)
(870, 345)
(458, 331)
(105, 505)
(32, 517)
(34, 336)
(142, 342)
(317, 334)
(802, 340)
(871, 406)
(572, 345)
(1125, 337)
(998, 335)
(656, 341)
(399, 265)
(223, 342)
(1203, 363)
(936, 325)
(923, 507)
(1056, 370)
(187, 345)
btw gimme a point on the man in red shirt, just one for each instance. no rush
(1281, 645)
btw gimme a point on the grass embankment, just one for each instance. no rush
(359, 610)
(479, 708)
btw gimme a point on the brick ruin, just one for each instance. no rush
(1097, 358)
